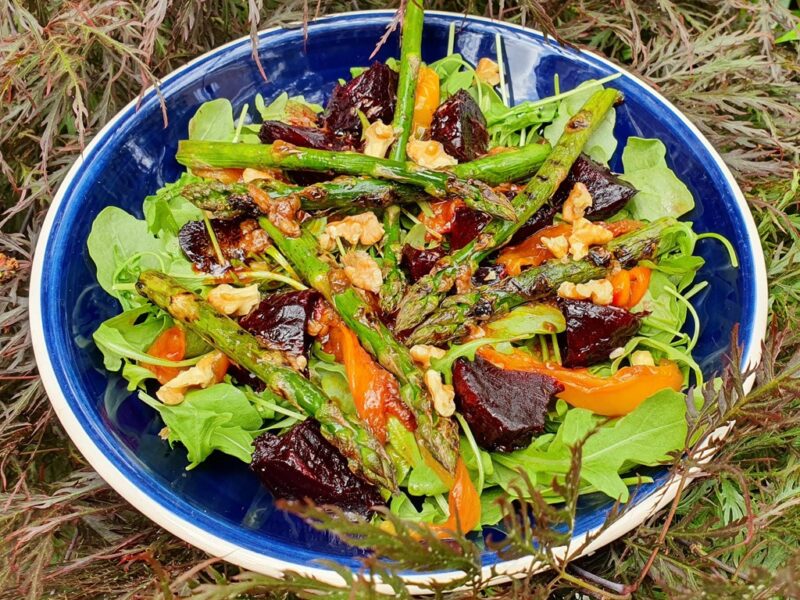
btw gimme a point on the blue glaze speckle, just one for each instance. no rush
(137, 157)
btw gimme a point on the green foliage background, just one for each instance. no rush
(731, 65)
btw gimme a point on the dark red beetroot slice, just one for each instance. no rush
(593, 331)
(540, 219)
(237, 240)
(609, 193)
(301, 464)
(373, 93)
(467, 224)
(305, 137)
(245, 377)
(279, 321)
(460, 126)
(504, 408)
(488, 274)
(420, 262)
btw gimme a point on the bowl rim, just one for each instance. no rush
(270, 565)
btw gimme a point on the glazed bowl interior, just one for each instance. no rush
(134, 156)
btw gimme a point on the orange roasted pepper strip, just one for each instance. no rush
(426, 99)
(464, 503)
(532, 252)
(169, 345)
(609, 396)
(375, 391)
(630, 286)
(444, 213)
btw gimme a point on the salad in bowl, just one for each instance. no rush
(413, 296)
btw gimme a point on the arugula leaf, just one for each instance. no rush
(279, 108)
(646, 436)
(521, 323)
(213, 121)
(526, 321)
(168, 211)
(602, 144)
(115, 239)
(660, 193)
(217, 418)
(130, 334)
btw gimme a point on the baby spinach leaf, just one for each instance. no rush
(217, 418)
(661, 193)
(213, 121)
(602, 143)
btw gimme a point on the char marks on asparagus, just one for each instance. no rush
(504, 408)
(593, 331)
(301, 464)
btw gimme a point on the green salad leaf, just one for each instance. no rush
(213, 121)
(167, 211)
(130, 334)
(661, 193)
(217, 418)
(602, 143)
(646, 436)
(116, 240)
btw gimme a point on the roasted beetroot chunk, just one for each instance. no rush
(373, 93)
(460, 126)
(279, 321)
(467, 224)
(593, 331)
(237, 240)
(504, 408)
(540, 219)
(301, 464)
(609, 193)
(305, 137)
(420, 262)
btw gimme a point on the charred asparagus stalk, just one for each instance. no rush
(364, 453)
(438, 436)
(476, 194)
(410, 60)
(427, 293)
(394, 281)
(457, 313)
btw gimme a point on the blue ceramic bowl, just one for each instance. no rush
(220, 506)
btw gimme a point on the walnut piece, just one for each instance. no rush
(364, 229)
(558, 246)
(599, 291)
(362, 271)
(442, 394)
(201, 375)
(234, 301)
(249, 175)
(577, 202)
(488, 71)
(430, 154)
(378, 137)
(585, 234)
(423, 353)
